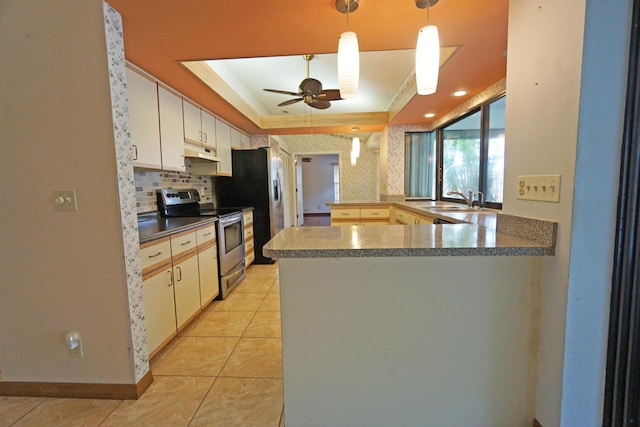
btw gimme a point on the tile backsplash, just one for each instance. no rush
(147, 181)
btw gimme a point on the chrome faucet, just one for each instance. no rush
(467, 199)
(480, 196)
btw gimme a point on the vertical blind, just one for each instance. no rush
(420, 165)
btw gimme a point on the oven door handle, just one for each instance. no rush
(230, 220)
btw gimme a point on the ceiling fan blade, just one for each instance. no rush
(310, 86)
(283, 92)
(329, 95)
(289, 102)
(319, 104)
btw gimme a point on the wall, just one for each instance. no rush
(317, 181)
(356, 182)
(147, 181)
(65, 270)
(544, 110)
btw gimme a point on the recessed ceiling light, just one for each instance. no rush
(459, 93)
(429, 115)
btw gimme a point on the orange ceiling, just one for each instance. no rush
(158, 34)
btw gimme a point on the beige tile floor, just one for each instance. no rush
(224, 369)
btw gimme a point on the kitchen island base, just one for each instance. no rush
(413, 341)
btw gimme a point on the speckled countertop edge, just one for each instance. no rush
(528, 237)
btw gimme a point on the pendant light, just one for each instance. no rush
(348, 54)
(355, 147)
(427, 55)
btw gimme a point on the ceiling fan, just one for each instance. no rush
(310, 91)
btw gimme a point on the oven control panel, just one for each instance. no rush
(171, 197)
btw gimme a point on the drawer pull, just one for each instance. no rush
(186, 243)
(375, 213)
(153, 256)
(207, 234)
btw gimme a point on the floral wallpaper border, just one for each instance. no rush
(126, 188)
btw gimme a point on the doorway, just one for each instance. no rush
(317, 182)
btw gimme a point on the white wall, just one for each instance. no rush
(317, 182)
(62, 270)
(545, 110)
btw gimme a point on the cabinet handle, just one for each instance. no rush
(179, 274)
(135, 152)
(170, 277)
(186, 243)
(153, 256)
(200, 132)
(206, 137)
(374, 213)
(207, 234)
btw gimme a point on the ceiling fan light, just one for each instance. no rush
(348, 65)
(427, 60)
(355, 147)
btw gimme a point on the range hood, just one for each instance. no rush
(200, 156)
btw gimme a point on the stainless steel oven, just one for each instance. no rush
(231, 251)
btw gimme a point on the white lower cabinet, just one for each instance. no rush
(186, 288)
(159, 307)
(208, 265)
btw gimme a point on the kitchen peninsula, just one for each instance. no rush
(412, 324)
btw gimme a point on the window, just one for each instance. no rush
(469, 153)
(336, 182)
(420, 165)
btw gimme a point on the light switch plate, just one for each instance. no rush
(545, 188)
(65, 200)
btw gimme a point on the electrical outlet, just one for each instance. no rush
(65, 200)
(76, 352)
(545, 188)
(74, 344)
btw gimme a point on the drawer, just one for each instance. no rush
(345, 213)
(206, 233)
(182, 242)
(154, 254)
(373, 213)
(248, 245)
(248, 217)
(248, 232)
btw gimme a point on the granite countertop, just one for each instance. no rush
(152, 226)
(474, 233)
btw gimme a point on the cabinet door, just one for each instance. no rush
(208, 268)
(246, 141)
(236, 139)
(143, 120)
(192, 122)
(208, 128)
(171, 130)
(223, 141)
(159, 308)
(186, 289)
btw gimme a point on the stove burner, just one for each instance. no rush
(177, 203)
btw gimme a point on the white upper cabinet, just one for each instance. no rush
(144, 121)
(223, 140)
(199, 125)
(208, 128)
(171, 130)
(236, 139)
(192, 123)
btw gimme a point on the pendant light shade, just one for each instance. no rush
(427, 60)
(348, 65)
(355, 147)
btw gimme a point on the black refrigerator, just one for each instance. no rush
(256, 182)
